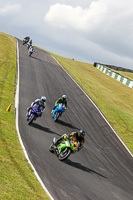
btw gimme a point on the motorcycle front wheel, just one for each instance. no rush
(65, 153)
(57, 114)
(51, 148)
(31, 120)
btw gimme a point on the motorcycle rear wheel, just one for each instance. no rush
(65, 153)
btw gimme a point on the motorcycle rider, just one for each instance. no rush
(27, 38)
(77, 136)
(62, 100)
(30, 42)
(31, 49)
(41, 105)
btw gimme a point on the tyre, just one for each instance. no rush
(57, 114)
(31, 120)
(51, 148)
(65, 153)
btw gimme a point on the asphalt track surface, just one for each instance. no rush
(103, 169)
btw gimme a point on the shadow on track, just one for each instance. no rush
(66, 124)
(35, 58)
(42, 128)
(79, 166)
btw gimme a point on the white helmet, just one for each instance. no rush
(64, 96)
(43, 99)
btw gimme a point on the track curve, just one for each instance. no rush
(103, 169)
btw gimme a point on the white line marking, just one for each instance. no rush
(17, 128)
(95, 106)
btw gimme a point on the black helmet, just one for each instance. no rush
(81, 133)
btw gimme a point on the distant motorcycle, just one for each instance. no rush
(64, 149)
(33, 114)
(58, 111)
(31, 50)
(26, 40)
(28, 45)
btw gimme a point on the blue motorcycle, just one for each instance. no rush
(33, 114)
(58, 111)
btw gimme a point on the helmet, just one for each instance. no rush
(43, 99)
(81, 133)
(64, 96)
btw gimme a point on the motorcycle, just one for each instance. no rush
(58, 111)
(28, 45)
(64, 149)
(31, 50)
(33, 114)
(26, 40)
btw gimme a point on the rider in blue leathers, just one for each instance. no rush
(31, 48)
(40, 102)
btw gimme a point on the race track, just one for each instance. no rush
(103, 169)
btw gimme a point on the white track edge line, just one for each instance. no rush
(17, 128)
(95, 107)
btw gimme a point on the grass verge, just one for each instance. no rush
(17, 179)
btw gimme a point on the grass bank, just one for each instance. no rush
(17, 179)
(114, 99)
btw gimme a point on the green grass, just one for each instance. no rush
(17, 179)
(113, 98)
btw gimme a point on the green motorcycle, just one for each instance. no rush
(64, 149)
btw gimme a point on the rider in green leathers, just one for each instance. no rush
(62, 100)
(77, 136)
